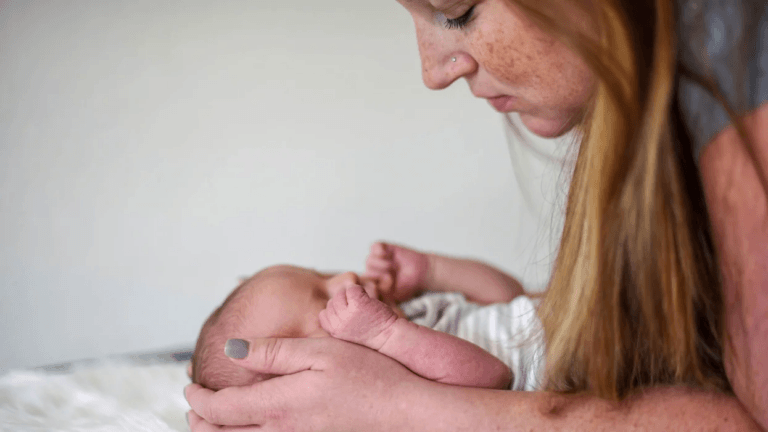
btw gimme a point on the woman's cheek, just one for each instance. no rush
(501, 57)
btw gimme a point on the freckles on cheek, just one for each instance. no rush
(504, 48)
(502, 58)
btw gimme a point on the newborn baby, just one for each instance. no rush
(286, 301)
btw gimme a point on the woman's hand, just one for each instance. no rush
(402, 272)
(327, 385)
(336, 386)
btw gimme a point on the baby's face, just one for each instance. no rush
(284, 301)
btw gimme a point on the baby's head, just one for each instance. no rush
(279, 301)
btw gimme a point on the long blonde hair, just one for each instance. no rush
(635, 299)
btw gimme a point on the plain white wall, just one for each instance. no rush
(153, 152)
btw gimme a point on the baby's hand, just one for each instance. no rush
(354, 316)
(402, 272)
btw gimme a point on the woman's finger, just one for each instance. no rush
(257, 404)
(246, 405)
(198, 424)
(281, 356)
(250, 405)
(232, 406)
(202, 401)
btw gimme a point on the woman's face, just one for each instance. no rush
(504, 57)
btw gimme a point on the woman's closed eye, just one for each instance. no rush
(460, 22)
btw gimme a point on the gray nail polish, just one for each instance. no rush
(236, 348)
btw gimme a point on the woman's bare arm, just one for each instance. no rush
(661, 409)
(738, 206)
(332, 385)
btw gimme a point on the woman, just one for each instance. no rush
(656, 311)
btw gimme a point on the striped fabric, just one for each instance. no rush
(509, 331)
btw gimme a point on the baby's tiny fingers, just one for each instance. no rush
(371, 289)
(386, 282)
(355, 293)
(337, 304)
(377, 248)
(379, 264)
(381, 249)
(323, 318)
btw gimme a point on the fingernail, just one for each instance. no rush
(236, 349)
(186, 416)
(185, 393)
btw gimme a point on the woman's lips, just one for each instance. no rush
(502, 103)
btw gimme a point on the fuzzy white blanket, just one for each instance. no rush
(108, 397)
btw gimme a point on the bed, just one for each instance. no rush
(130, 392)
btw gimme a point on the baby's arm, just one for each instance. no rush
(415, 271)
(479, 282)
(353, 316)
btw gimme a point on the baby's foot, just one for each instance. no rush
(354, 316)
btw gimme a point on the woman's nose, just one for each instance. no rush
(442, 59)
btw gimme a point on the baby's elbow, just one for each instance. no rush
(498, 376)
(505, 378)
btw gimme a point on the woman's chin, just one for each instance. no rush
(545, 128)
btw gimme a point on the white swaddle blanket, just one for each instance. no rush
(510, 331)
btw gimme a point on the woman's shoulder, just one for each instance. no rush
(727, 41)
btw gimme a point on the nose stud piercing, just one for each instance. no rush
(453, 59)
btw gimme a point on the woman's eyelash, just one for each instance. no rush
(460, 22)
